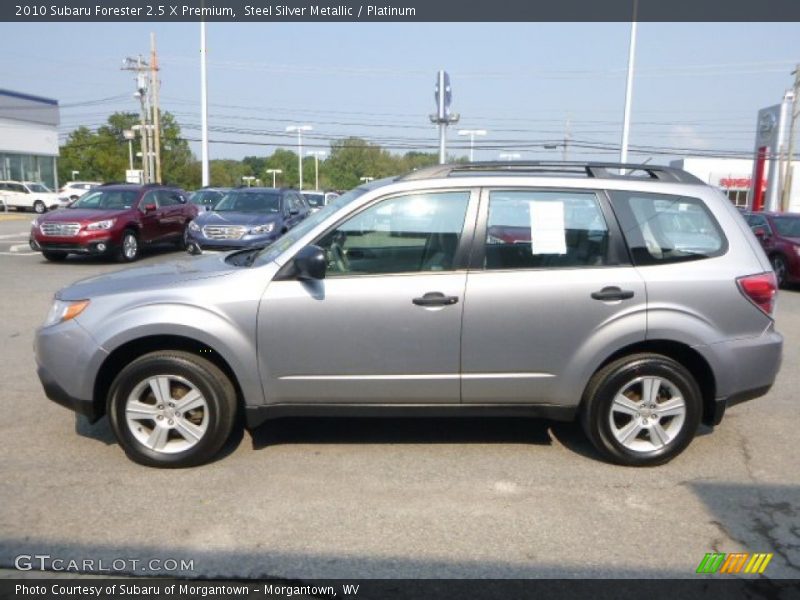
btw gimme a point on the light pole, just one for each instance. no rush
(626, 118)
(130, 135)
(317, 154)
(299, 129)
(472, 133)
(274, 172)
(509, 156)
(74, 173)
(249, 179)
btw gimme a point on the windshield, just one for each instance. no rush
(275, 249)
(314, 200)
(261, 202)
(38, 188)
(106, 200)
(205, 198)
(788, 226)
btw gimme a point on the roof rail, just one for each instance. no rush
(597, 170)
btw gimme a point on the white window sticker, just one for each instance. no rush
(548, 234)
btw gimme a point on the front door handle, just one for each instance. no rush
(612, 293)
(435, 299)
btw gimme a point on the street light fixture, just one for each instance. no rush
(317, 154)
(249, 179)
(509, 156)
(472, 133)
(74, 173)
(367, 179)
(299, 129)
(274, 172)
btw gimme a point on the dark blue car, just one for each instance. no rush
(247, 217)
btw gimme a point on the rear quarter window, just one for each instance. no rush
(661, 228)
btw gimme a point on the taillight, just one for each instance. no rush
(760, 290)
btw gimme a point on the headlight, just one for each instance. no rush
(63, 310)
(797, 250)
(263, 228)
(35, 223)
(193, 226)
(107, 224)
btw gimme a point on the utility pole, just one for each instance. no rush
(567, 137)
(140, 67)
(472, 133)
(788, 169)
(154, 85)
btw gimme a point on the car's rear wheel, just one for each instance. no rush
(129, 248)
(39, 207)
(778, 263)
(55, 256)
(642, 410)
(172, 409)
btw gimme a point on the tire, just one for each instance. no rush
(128, 250)
(54, 256)
(778, 263)
(39, 207)
(156, 434)
(628, 431)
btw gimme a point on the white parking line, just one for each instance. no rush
(18, 253)
(13, 235)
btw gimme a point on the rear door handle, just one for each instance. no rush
(612, 293)
(435, 299)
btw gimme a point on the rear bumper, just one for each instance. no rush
(745, 369)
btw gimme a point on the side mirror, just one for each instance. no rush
(294, 211)
(310, 263)
(149, 208)
(760, 233)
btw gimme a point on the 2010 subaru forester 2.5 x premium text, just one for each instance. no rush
(640, 303)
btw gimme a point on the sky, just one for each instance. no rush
(697, 86)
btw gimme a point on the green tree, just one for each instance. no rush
(102, 155)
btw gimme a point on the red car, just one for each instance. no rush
(779, 234)
(115, 220)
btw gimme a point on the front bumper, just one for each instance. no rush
(67, 362)
(94, 246)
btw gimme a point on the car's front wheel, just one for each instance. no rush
(39, 207)
(642, 410)
(129, 248)
(172, 409)
(54, 256)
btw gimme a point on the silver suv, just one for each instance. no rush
(634, 298)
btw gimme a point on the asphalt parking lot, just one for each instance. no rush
(385, 498)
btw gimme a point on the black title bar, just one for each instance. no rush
(401, 10)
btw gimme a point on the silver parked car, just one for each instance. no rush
(639, 303)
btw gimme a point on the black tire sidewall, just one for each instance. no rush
(221, 408)
(612, 382)
(782, 261)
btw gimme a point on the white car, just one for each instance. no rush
(24, 195)
(73, 190)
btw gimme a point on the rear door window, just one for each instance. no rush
(661, 228)
(532, 229)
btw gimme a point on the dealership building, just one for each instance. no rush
(734, 177)
(28, 138)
